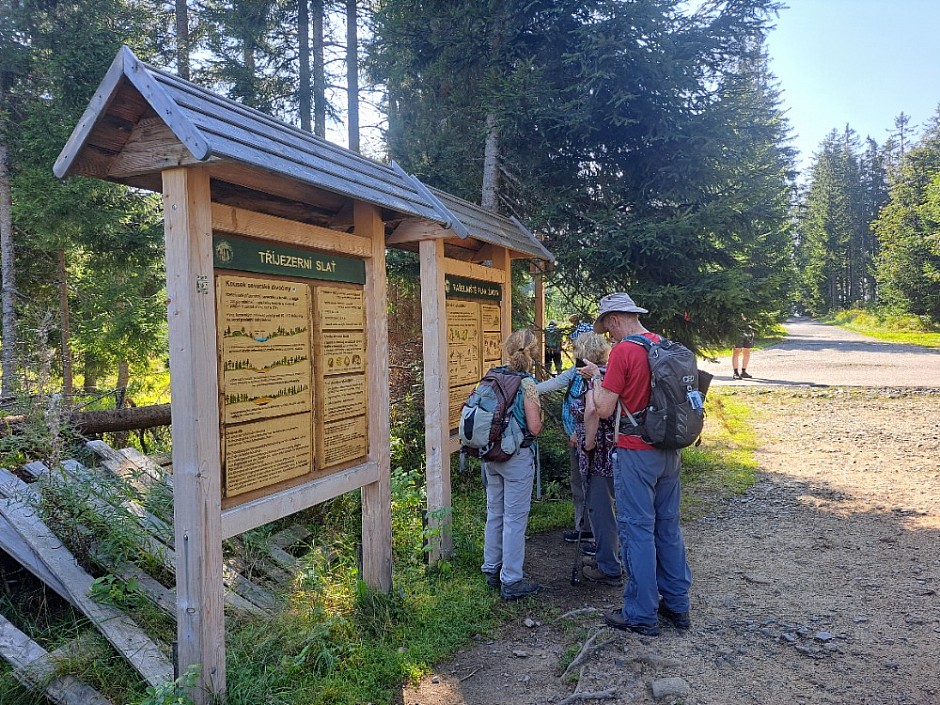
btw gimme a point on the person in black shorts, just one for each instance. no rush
(742, 352)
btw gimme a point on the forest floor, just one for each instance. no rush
(818, 585)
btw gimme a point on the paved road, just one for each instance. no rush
(819, 355)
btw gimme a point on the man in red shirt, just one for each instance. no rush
(646, 485)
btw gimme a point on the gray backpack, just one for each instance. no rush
(676, 412)
(488, 429)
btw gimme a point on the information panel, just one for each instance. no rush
(464, 354)
(342, 396)
(263, 453)
(265, 348)
(456, 398)
(474, 338)
(343, 441)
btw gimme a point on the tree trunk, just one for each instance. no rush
(303, 58)
(319, 71)
(8, 303)
(64, 328)
(91, 422)
(490, 196)
(123, 377)
(352, 74)
(90, 374)
(182, 39)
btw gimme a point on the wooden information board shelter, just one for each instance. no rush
(275, 259)
(469, 259)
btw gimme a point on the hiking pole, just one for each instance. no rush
(576, 568)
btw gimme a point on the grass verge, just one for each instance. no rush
(724, 464)
(911, 330)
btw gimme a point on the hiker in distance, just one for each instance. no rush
(509, 483)
(646, 485)
(742, 351)
(553, 336)
(566, 380)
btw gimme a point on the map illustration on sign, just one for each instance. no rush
(264, 330)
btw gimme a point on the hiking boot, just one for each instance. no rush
(595, 575)
(614, 618)
(589, 560)
(745, 375)
(680, 620)
(572, 536)
(520, 588)
(492, 579)
(589, 549)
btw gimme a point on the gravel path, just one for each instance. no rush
(820, 355)
(817, 586)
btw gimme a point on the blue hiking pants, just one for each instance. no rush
(646, 485)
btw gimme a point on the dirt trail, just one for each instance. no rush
(819, 585)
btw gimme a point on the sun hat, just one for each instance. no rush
(619, 302)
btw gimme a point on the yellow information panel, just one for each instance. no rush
(463, 342)
(340, 309)
(491, 316)
(342, 393)
(343, 396)
(263, 453)
(343, 441)
(492, 347)
(265, 381)
(342, 352)
(264, 326)
(457, 397)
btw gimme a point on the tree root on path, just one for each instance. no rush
(589, 648)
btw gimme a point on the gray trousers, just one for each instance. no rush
(604, 520)
(508, 500)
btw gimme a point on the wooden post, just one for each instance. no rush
(376, 496)
(538, 279)
(436, 399)
(197, 462)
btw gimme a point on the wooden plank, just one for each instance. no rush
(478, 271)
(197, 463)
(130, 465)
(415, 230)
(436, 398)
(139, 650)
(35, 668)
(243, 517)
(264, 182)
(98, 106)
(295, 533)
(147, 465)
(14, 545)
(158, 98)
(157, 536)
(151, 147)
(268, 227)
(376, 497)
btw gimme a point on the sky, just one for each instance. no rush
(860, 62)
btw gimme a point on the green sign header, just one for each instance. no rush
(472, 288)
(229, 252)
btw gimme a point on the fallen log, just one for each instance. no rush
(92, 422)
